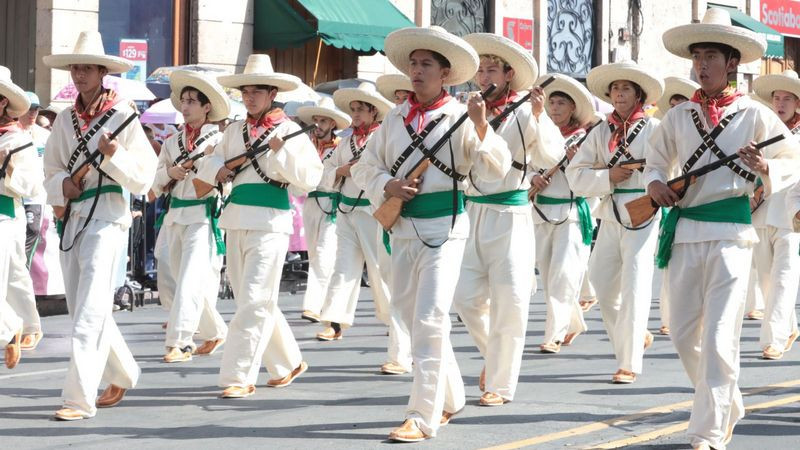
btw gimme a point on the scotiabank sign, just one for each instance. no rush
(782, 15)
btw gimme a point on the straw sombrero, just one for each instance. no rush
(716, 27)
(673, 86)
(525, 68)
(258, 70)
(399, 45)
(601, 77)
(18, 102)
(179, 79)
(787, 81)
(365, 92)
(88, 50)
(584, 109)
(326, 108)
(389, 83)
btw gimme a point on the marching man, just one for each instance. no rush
(621, 264)
(428, 238)
(563, 222)
(497, 272)
(96, 220)
(319, 210)
(776, 253)
(395, 87)
(707, 240)
(20, 176)
(358, 232)
(258, 222)
(189, 229)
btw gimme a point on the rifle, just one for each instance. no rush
(236, 163)
(79, 173)
(494, 123)
(11, 153)
(549, 174)
(633, 164)
(643, 208)
(390, 210)
(758, 198)
(186, 165)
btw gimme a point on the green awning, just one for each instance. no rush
(360, 25)
(774, 39)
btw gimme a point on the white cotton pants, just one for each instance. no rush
(708, 286)
(99, 352)
(258, 332)
(561, 257)
(321, 241)
(192, 251)
(494, 291)
(663, 298)
(20, 286)
(755, 294)
(10, 322)
(621, 271)
(357, 242)
(422, 293)
(778, 264)
(587, 290)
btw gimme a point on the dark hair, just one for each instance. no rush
(444, 62)
(562, 95)
(202, 98)
(265, 87)
(640, 93)
(370, 107)
(725, 49)
(678, 97)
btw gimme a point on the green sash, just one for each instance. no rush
(335, 198)
(7, 206)
(584, 214)
(629, 191)
(429, 206)
(210, 204)
(352, 201)
(729, 210)
(86, 195)
(260, 194)
(510, 198)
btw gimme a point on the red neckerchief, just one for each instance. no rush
(621, 126)
(494, 107)
(793, 122)
(191, 134)
(10, 126)
(105, 101)
(362, 133)
(417, 109)
(267, 121)
(573, 127)
(324, 145)
(714, 107)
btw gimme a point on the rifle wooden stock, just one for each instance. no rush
(80, 173)
(633, 164)
(389, 212)
(236, 163)
(643, 208)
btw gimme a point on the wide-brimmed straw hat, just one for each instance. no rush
(716, 27)
(88, 50)
(391, 82)
(258, 70)
(179, 79)
(525, 68)
(399, 45)
(326, 108)
(365, 92)
(18, 101)
(675, 86)
(584, 109)
(601, 77)
(787, 81)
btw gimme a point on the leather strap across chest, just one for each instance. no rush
(184, 154)
(416, 140)
(435, 161)
(253, 159)
(622, 148)
(710, 144)
(83, 139)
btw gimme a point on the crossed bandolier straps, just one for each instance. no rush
(185, 154)
(248, 146)
(710, 143)
(83, 140)
(416, 144)
(622, 148)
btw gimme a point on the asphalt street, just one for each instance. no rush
(563, 400)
